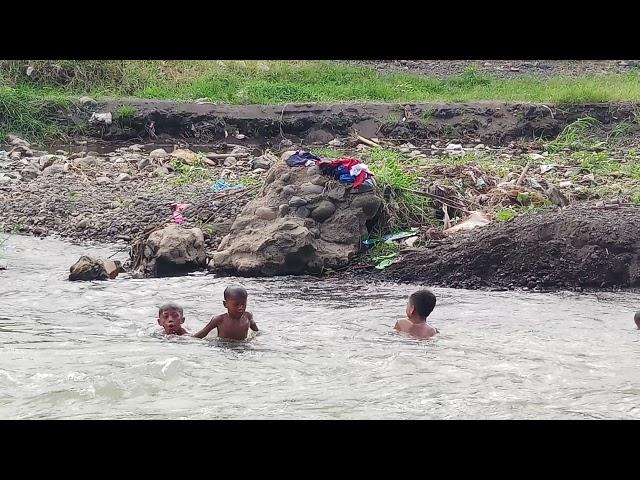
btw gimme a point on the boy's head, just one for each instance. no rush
(421, 304)
(171, 317)
(636, 318)
(235, 300)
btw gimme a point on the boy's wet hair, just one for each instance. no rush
(235, 291)
(424, 301)
(170, 306)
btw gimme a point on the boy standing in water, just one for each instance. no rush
(419, 307)
(171, 318)
(234, 324)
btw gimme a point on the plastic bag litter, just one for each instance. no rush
(391, 237)
(222, 185)
(475, 219)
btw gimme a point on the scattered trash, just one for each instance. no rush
(384, 261)
(240, 136)
(547, 168)
(475, 219)
(565, 184)
(391, 237)
(177, 209)
(410, 242)
(536, 156)
(454, 149)
(222, 185)
(104, 118)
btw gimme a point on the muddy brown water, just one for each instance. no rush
(325, 350)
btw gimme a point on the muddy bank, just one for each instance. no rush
(201, 122)
(574, 248)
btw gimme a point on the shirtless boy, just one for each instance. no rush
(234, 324)
(419, 307)
(171, 318)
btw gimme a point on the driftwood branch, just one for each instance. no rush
(522, 175)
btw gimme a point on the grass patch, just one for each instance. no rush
(27, 113)
(186, 174)
(27, 87)
(600, 163)
(327, 152)
(412, 209)
(575, 136)
(505, 215)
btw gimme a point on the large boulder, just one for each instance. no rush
(172, 251)
(91, 268)
(297, 225)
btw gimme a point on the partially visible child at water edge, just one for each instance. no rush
(171, 318)
(234, 324)
(419, 307)
(636, 318)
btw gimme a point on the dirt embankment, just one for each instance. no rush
(573, 248)
(492, 123)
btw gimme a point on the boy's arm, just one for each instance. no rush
(215, 322)
(252, 323)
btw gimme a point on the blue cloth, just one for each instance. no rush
(346, 178)
(300, 158)
(222, 185)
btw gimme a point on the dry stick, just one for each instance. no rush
(366, 141)
(222, 156)
(524, 172)
(281, 116)
(452, 203)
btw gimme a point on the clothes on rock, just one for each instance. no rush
(349, 171)
(346, 170)
(302, 158)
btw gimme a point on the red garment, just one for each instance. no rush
(348, 163)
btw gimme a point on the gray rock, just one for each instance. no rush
(86, 101)
(323, 211)
(82, 224)
(54, 169)
(297, 202)
(171, 251)
(302, 212)
(143, 163)
(88, 268)
(261, 162)
(161, 172)
(17, 141)
(283, 210)
(289, 190)
(123, 177)
(337, 193)
(266, 213)
(112, 267)
(29, 173)
(158, 154)
(293, 243)
(310, 189)
(102, 180)
(4, 180)
(230, 162)
(369, 204)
